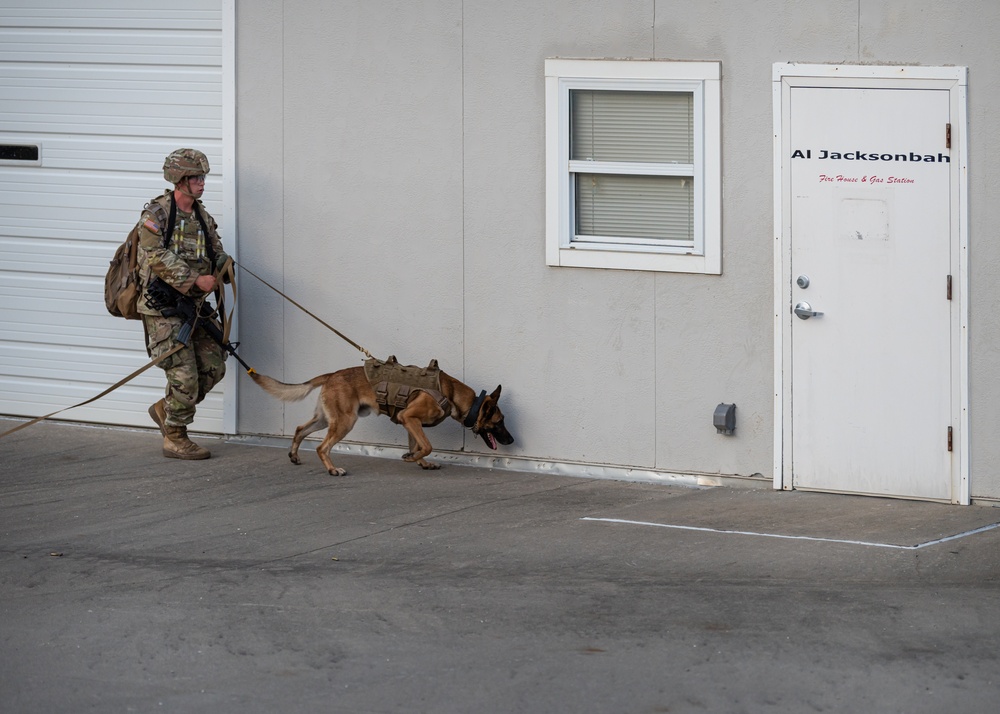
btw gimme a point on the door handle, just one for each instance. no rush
(804, 311)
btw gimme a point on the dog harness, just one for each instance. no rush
(394, 384)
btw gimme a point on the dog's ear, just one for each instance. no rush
(496, 393)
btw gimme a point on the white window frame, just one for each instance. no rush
(702, 79)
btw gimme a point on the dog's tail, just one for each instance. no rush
(287, 392)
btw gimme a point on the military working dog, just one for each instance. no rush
(347, 394)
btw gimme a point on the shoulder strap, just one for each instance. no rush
(171, 221)
(161, 212)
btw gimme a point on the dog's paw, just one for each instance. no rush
(294, 458)
(337, 471)
(429, 465)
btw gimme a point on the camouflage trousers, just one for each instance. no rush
(191, 372)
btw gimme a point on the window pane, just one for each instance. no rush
(648, 127)
(615, 205)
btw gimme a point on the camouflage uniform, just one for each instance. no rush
(193, 371)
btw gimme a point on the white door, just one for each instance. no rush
(868, 369)
(93, 97)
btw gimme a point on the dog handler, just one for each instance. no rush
(187, 261)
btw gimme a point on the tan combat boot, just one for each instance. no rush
(159, 414)
(177, 445)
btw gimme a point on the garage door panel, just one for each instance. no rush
(24, 256)
(38, 362)
(87, 106)
(93, 191)
(22, 327)
(74, 219)
(98, 45)
(38, 305)
(125, 406)
(79, 303)
(51, 231)
(28, 83)
(31, 289)
(61, 152)
(182, 128)
(119, 14)
(117, 198)
(169, 77)
(69, 216)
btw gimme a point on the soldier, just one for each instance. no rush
(179, 244)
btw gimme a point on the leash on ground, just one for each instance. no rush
(339, 334)
(94, 399)
(226, 270)
(226, 322)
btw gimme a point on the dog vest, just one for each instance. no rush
(394, 384)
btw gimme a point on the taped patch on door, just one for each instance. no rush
(864, 220)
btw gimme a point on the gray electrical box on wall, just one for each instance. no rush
(725, 419)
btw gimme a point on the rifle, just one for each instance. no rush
(170, 302)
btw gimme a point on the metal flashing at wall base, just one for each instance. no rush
(524, 465)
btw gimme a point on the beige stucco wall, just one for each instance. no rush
(391, 177)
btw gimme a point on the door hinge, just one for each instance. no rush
(949, 439)
(947, 135)
(949, 287)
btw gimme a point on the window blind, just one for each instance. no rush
(648, 207)
(644, 127)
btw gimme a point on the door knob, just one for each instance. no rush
(804, 311)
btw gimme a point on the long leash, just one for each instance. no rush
(94, 399)
(337, 332)
(226, 323)
(227, 269)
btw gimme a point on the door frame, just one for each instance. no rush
(955, 81)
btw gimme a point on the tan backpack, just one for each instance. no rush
(121, 284)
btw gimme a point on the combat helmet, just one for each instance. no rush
(182, 163)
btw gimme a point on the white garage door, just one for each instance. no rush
(91, 100)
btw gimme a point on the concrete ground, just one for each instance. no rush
(133, 583)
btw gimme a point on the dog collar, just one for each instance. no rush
(470, 418)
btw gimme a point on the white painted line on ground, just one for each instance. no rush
(790, 537)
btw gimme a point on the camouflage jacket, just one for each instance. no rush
(183, 258)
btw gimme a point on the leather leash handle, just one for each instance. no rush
(223, 273)
(94, 399)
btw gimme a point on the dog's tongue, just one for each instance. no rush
(490, 441)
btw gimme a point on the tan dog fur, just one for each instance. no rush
(346, 395)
